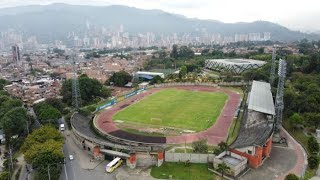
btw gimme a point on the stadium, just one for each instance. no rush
(235, 66)
(148, 120)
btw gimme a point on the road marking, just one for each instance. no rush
(65, 171)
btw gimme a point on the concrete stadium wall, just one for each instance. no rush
(191, 157)
(210, 84)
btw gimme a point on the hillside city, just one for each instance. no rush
(108, 102)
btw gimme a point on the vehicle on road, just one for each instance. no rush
(71, 157)
(113, 164)
(61, 127)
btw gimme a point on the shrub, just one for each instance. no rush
(292, 177)
(313, 162)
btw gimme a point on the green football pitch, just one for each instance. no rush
(182, 109)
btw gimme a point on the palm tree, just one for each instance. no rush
(223, 168)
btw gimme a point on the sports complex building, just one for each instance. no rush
(102, 138)
(235, 66)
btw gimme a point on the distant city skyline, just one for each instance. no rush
(293, 14)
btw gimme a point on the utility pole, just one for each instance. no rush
(28, 126)
(279, 97)
(10, 151)
(273, 66)
(76, 98)
(49, 171)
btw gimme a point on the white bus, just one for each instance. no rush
(113, 165)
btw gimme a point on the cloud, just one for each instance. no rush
(289, 12)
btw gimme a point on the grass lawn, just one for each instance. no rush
(190, 110)
(182, 171)
(298, 135)
(233, 131)
(183, 150)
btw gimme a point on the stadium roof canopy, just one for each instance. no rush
(148, 75)
(260, 98)
(233, 65)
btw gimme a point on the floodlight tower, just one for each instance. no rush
(76, 97)
(280, 91)
(273, 66)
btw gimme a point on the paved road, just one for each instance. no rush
(72, 169)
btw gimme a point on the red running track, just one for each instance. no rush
(215, 134)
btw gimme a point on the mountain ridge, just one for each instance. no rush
(57, 20)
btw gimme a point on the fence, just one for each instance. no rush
(121, 98)
(190, 157)
(210, 84)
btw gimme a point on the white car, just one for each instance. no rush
(70, 157)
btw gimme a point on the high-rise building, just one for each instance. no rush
(266, 36)
(15, 54)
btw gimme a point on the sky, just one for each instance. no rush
(297, 15)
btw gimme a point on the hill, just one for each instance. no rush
(56, 20)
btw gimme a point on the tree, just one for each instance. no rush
(292, 177)
(313, 145)
(43, 148)
(5, 175)
(8, 104)
(174, 53)
(261, 50)
(56, 103)
(223, 168)
(182, 72)
(157, 80)
(41, 135)
(295, 120)
(312, 119)
(120, 78)
(223, 146)
(313, 162)
(3, 83)
(14, 122)
(46, 113)
(200, 146)
(185, 52)
(105, 92)
(89, 90)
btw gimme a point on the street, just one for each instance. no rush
(72, 169)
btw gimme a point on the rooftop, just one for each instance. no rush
(260, 98)
(238, 61)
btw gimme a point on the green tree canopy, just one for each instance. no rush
(295, 120)
(200, 146)
(14, 122)
(89, 90)
(43, 148)
(3, 83)
(313, 162)
(223, 168)
(120, 78)
(292, 177)
(182, 72)
(5, 175)
(8, 104)
(157, 80)
(42, 135)
(46, 113)
(313, 145)
(174, 53)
